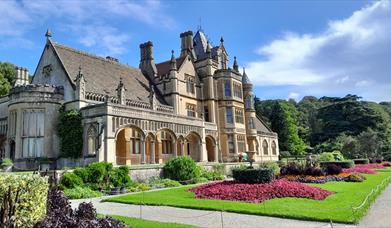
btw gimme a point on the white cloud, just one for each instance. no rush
(348, 55)
(90, 20)
(294, 96)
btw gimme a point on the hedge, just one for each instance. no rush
(361, 161)
(252, 176)
(343, 164)
(30, 193)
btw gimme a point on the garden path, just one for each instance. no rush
(201, 218)
(379, 215)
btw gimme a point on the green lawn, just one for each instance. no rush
(337, 207)
(141, 223)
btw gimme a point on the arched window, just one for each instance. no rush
(92, 140)
(265, 147)
(135, 141)
(274, 148)
(166, 142)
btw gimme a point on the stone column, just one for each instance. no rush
(142, 151)
(216, 151)
(235, 144)
(182, 148)
(174, 149)
(152, 148)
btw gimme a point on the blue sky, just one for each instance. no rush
(289, 48)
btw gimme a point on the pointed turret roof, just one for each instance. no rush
(245, 78)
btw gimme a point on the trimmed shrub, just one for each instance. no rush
(181, 168)
(355, 177)
(343, 164)
(28, 194)
(337, 155)
(291, 169)
(361, 161)
(70, 180)
(253, 176)
(79, 192)
(313, 171)
(82, 173)
(332, 169)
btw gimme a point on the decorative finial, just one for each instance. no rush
(244, 71)
(221, 40)
(235, 65)
(48, 33)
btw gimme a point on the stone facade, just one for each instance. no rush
(193, 105)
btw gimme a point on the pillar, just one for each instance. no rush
(152, 148)
(142, 151)
(216, 151)
(174, 147)
(182, 148)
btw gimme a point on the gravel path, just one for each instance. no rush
(201, 218)
(379, 215)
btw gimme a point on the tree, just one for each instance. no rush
(284, 123)
(7, 77)
(370, 144)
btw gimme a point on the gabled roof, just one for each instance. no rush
(261, 126)
(163, 68)
(103, 75)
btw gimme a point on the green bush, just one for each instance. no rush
(119, 177)
(31, 205)
(163, 183)
(70, 180)
(252, 176)
(6, 162)
(337, 155)
(81, 192)
(343, 164)
(82, 173)
(180, 169)
(326, 157)
(98, 172)
(361, 161)
(215, 174)
(355, 177)
(271, 165)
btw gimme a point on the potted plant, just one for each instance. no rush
(6, 165)
(123, 189)
(44, 164)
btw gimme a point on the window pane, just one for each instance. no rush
(229, 115)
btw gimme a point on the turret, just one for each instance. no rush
(147, 64)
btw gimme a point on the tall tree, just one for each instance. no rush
(284, 123)
(7, 77)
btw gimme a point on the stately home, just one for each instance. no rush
(194, 104)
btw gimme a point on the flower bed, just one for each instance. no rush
(364, 168)
(315, 179)
(255, 193)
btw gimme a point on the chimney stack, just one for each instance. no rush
(186, 43)
(147, 65)
(22, 76)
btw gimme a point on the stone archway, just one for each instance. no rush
(193, 146)
(130, 147)
(165, 146)
(211, 149)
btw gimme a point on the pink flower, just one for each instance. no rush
(231, 190)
